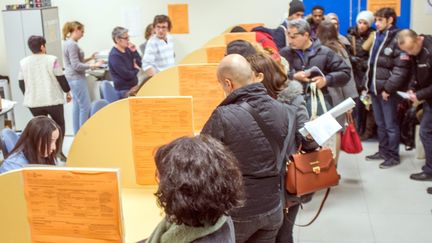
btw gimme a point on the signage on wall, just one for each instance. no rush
(428, 7)
(374, 5)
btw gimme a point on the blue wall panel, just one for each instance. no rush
(342, 9)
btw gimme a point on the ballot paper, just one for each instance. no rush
(323, 128)
(335, 112)
(404, 95)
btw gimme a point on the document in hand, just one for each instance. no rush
(73, 204)
(404, 95)
(335, 112)
(323, 128)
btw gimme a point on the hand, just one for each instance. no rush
(93, 56)
(150, 72)
(132, 47)
(412, 96)
(68, 97)
(133, 91)
(321, 81)
(385, 95)
(97, 64)
(136, 66)
(302, 76)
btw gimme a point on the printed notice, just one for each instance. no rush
(247, 36)
(374, 5)
(179, 16)
(200, 82)
(215, 53)
(68, 205)
(156, 121)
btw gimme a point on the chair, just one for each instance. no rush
(97, 105)
(8, 140)
(108, 92)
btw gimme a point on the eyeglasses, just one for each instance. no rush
(124, 38)
(163, 27)
(293, 35)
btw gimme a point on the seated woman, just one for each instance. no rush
(199, 183)
(39, 143)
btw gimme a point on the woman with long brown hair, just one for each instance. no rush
(39, 143)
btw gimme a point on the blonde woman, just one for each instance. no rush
(75, 67)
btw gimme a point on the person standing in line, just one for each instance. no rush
(420, 89)
(75, 67)
(388, 71)
(315, 19)
(159, 54)
(44, 84)
(147, 34)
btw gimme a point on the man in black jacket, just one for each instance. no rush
(420, 89)
(261, 217)
(388, 71)
(304, 53)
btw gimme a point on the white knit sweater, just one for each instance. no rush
(39, 72)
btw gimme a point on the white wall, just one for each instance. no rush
(420, 19)
(207, 18)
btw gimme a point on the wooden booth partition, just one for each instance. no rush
(196, 80)
(126, 133)
(210, 54)
(226, 38)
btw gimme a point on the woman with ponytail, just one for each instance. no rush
(75, 67)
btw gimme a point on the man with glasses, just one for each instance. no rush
(124, 62)
(159, 53)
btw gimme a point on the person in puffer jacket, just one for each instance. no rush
(388, 71)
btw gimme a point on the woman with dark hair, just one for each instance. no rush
(199, 184)
(289, 92)
(39, 143)
(328, 36)
(147, 34)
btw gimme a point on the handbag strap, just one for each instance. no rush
(316, 215)
(316, 94)
(279, 153)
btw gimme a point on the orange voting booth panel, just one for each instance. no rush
(215, 53)
(249, 27)
(200, 82)
(155, 122)
(247, 36)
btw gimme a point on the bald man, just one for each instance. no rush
(420, 48)
(261, 216)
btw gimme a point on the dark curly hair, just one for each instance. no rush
(199, 180)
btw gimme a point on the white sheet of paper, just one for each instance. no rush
(404, 95)
(322, 128)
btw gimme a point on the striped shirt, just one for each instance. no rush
(159, 54)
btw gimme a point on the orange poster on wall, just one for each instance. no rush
(156, 121)
(374, 5)
(73, 205)
(179, 16)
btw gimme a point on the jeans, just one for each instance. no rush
(261, 228)
(426, 136)
(122, 93)
(285, 234)
(81, 103)
(387, 125)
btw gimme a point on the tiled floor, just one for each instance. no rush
(371, 205)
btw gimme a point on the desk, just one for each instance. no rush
(141, 214)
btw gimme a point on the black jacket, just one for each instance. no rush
(422, 71)
(237, 129)
(336, 71)
(391, 68)
(358, 56)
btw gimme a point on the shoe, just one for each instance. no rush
(375, 156)
(389, 163)
(429, 190)
(421, 177)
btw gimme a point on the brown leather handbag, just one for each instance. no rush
(311, 172)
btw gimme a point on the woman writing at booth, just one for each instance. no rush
(38, 144)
